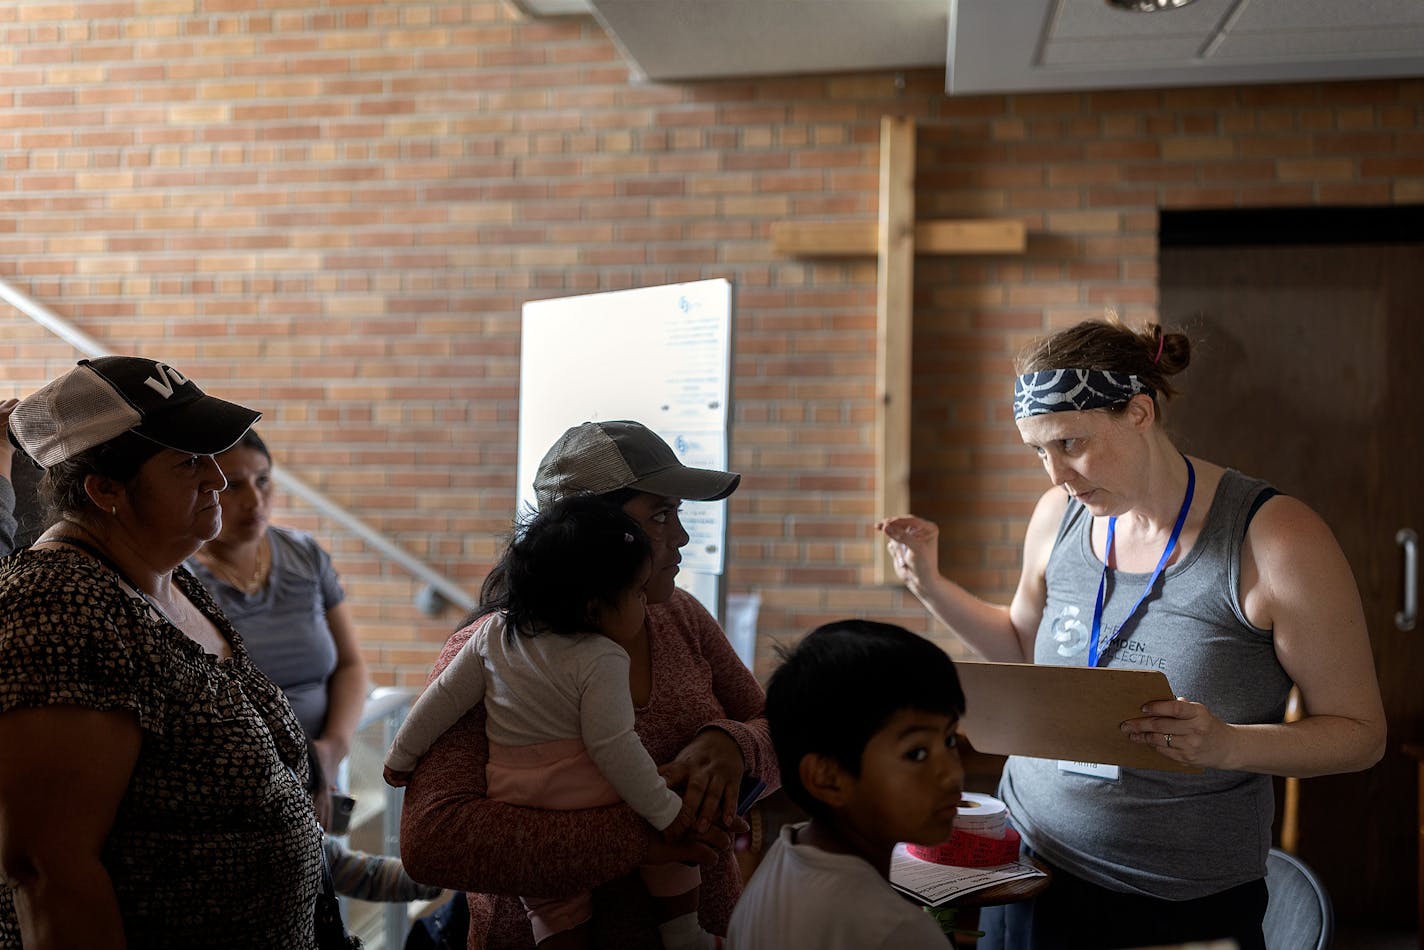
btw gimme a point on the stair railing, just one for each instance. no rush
(439, 589)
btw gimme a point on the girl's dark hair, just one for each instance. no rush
(841, 684)
(563, 562)
(1151, 354)
(61, 488)
(492, 590)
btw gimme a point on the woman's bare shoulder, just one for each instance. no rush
(1282, 525)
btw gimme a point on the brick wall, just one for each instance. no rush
(334, 212)
(1087, 173)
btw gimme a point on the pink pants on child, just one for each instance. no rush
(560, 776)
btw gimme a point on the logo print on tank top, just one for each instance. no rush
(1069, 633)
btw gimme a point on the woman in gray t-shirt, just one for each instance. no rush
(280, 591)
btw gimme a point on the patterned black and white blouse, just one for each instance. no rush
(215, 843)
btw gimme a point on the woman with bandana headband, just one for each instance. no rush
(1142, 557)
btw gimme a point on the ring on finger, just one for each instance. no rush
(1168, 737)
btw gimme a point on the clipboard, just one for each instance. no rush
(1061, 712)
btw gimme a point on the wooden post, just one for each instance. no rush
(894, 309)
(894, 238)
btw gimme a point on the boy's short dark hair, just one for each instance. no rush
(841, 684)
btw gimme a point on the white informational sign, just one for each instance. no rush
(656, 355)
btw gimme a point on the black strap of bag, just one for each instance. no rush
(330, 928)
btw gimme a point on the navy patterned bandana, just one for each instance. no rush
(1073, 390)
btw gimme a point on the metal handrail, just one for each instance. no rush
(383, 701)
(436, 583)
(386, 708)
(439, 583)
(52, 322)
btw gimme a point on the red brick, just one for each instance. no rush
(370, 221)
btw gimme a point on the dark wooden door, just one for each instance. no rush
(1306, 371)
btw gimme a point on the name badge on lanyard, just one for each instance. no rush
(1095, 654)
(1108, 773)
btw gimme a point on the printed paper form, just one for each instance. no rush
(936, 884)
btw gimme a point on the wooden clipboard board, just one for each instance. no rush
(1061, 712)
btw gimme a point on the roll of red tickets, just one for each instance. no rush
(970, 851)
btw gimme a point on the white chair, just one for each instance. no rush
(1299, 915)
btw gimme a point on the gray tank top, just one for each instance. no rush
(1171, 835)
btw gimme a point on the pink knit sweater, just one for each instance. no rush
(453, 836)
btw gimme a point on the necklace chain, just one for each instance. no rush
(228, 574)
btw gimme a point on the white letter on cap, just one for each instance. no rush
(162, 387)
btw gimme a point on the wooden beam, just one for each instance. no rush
(971, 237)
(859, 238)
(894, 303)
(894, 237)
(823, 238)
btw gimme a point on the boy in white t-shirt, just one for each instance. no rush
(863, 718)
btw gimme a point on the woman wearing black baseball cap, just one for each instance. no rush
(153, 790)
(698, 711)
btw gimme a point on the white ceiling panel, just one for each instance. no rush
(1264, 16)
(1094, 18)
(1068, 44)
(1339, 44)
(1101, 52)
(995, 46)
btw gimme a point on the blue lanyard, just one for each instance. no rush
(1093, 652)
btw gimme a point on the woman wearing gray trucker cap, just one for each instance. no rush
(698, 710)
(152, 794)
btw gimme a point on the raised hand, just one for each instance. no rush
(913, 544)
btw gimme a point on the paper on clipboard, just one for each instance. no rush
(1061, 712)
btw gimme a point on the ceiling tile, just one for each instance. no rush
(1338, 44)
(993, 46)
